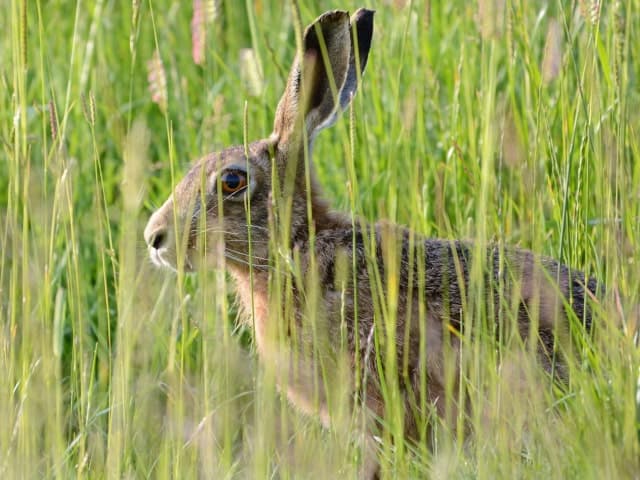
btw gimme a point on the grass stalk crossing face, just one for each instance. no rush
(509, 125)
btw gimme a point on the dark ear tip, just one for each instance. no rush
(363, 19)
(363, 14)
(332, 16)
(327, 22)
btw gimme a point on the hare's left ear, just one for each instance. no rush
(324, 78)
(361, 25)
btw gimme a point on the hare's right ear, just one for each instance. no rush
(324, 76)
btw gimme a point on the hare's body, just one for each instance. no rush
(322, 289)
(439, 269)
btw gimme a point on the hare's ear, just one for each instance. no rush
(324, 76)
(361, 25)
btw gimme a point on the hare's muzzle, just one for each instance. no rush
(158, 237)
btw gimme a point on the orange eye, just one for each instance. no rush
(233, 181)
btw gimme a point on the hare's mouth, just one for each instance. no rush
(159, 258)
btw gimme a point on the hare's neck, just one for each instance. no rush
(323, 215)
(253, 295)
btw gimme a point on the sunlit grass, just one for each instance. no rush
(509, 122)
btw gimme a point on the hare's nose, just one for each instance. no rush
(157, 238)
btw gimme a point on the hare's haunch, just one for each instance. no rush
(259, 211)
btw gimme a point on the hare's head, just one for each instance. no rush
(223, 203)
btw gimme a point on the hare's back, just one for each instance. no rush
(438, 272)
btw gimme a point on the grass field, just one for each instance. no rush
(509, 121)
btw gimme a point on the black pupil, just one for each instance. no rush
(232, 180)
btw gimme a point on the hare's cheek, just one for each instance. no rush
(235, 217)
(214, 255)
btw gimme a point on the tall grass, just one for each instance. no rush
(500, 121)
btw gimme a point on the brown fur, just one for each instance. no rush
(342, 279)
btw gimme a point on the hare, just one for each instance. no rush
(260, 205)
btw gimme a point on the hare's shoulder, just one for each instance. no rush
(382, 238)
(356, 249)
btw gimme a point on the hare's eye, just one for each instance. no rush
(233, 181)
